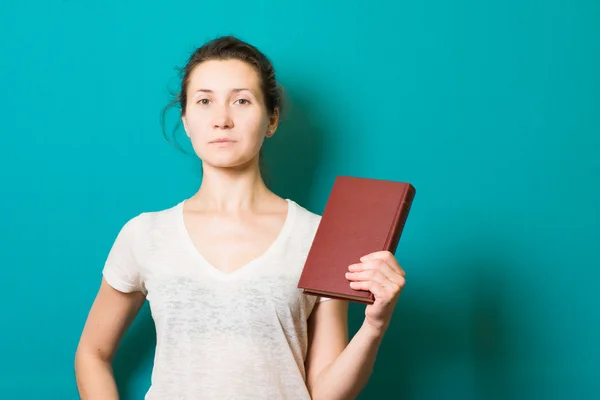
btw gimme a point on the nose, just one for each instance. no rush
(222, 118)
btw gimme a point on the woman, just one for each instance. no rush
(220, 268)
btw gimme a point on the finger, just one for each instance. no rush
(393, 283)
(387, 269)
(385, 273)
(385, 256)
(391, 270)
(375, 255)
(371, 286)
(384, 277)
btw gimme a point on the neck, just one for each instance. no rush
(231, 189)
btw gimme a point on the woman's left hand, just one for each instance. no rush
(379, 273)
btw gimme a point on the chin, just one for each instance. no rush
(229, 162)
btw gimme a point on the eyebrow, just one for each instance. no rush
(235, 90)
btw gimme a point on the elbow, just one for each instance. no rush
(85, 357)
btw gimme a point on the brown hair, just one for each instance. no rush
(227, 48)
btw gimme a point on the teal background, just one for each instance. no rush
(491, 109)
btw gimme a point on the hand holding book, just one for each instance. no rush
(361, 225)
(379, 273)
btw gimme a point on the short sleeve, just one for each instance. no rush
(122, 270)
(322, 299)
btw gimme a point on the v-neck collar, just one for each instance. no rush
(195, 253)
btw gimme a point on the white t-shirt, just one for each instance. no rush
(239, 335)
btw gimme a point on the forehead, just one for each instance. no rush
(223, 75)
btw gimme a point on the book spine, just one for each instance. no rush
(399, 221)
(365, 300)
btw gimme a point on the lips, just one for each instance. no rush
(223, 140)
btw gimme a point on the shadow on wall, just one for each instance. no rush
(291, 158)
(435, 339)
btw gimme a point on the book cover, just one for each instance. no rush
(361, 216)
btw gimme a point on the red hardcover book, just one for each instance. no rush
(362, 216)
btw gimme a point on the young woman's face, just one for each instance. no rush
(225, 117)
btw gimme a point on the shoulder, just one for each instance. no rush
(164, 215)
(306, 222)
(146, 221)
(305, 216)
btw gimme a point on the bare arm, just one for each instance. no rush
(339, 372)
(110, 315)
(337, 369)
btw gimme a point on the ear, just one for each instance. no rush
(273, 122)
(185, 127)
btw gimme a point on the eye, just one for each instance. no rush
(243, 101)
(203, 101)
